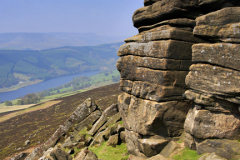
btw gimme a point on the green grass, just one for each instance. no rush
(21, 76)
(84, 132)
(96, 81)
(187, 154)
(111, 153)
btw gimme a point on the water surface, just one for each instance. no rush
(55, 82)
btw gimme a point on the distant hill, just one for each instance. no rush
(39, 41)
(17, 66)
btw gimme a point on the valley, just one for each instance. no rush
(19, 68)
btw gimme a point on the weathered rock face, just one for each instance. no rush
(161, 10)
(153, 67)
(213, 123)
(156, 68)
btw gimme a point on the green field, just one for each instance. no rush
(25, 66)
(95, 81)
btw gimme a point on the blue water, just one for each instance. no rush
(41, 86)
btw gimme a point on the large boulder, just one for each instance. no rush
(82, 111)
(204, 124)
(229, 149)
(152, 118)
(106, 115)
(133, 143)
(113, 140)
(104, 135)
(151, 146)
(86, 123)
(90, 120)
(142, 146)
(113, 120)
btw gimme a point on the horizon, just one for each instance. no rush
(103, 18)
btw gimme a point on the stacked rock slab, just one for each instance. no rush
(213, 123)
(153, 66)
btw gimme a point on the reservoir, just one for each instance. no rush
(55, 82)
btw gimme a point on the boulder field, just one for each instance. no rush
(88, 126)
(180, 76)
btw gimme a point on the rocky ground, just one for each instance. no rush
(38, 126)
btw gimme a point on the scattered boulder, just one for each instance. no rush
(151, 147)
(20, 156)
(159, 157)
(27, 142)
(211, 156)
(229, 149)
(90, 120)
(113, 140)
(107, 113)
(86, 154)
(122, 136)
(56, 154)
(68, 143)
(132, 157)
(104, 135)
(82, 112)
(169, 149)
(114, 119)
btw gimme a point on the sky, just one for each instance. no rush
(102, 17)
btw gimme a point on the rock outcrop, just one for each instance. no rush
(213, 123)
(184, 59)
(87, 126)
(153, 66)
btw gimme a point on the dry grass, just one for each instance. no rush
(14, 108)
(27, 109)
